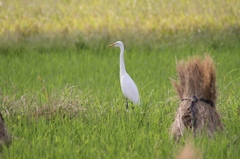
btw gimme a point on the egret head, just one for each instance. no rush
(116, 44)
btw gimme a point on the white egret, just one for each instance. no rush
(129, 88)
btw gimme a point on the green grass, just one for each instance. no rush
(77, 109)
(59, 84)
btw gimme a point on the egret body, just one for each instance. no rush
(129, 88)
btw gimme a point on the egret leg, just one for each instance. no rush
(126, 104)
(132, 107)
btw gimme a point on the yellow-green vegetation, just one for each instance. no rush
(93, 20)
(60, 93)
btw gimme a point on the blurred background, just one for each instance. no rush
(92, 23)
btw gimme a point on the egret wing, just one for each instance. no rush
(130, 89)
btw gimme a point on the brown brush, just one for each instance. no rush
(189, 152)
(4, 136)
(196, 89)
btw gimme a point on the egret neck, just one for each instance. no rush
(122, 64)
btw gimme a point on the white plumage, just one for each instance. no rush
(129, 88)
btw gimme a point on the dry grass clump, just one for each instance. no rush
(69, 102)
(196, 88)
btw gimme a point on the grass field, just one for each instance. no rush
(59, 83)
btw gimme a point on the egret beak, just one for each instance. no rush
(111, 45)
